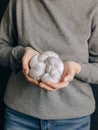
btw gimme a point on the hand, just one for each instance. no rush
(29, 52)
(70, 69)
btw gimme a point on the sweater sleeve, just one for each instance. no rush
(89, 71)
(10, 53)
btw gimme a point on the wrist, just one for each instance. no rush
(77, 67)
(32, 50)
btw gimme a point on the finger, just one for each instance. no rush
(63, 75)
(63, 86)
(42, 85)
(25, 65)
(31, 79)
(58, 85)
(69, 76)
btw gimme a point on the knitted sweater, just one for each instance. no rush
(69, 28)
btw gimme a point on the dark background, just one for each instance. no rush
(5, 72)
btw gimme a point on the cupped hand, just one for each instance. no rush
(70, 69)
(29, 52)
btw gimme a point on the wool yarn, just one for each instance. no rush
(46, 67)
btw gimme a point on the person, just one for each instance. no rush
(69, 28)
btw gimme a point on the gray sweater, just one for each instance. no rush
(69, 28)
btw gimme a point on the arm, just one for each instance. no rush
(86, 72)
(10, 53)
(89, 71)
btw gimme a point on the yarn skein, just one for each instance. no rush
(46, 67)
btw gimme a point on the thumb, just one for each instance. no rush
(69, 76)
(25, 65)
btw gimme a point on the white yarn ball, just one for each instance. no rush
(37, 69)
(46, 67)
